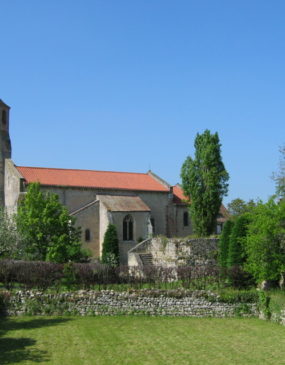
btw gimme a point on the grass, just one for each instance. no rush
(140, 340)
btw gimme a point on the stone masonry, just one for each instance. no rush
(133, 302)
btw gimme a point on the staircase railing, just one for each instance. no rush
(134, 258)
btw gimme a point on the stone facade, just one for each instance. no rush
(135, 302)
(5, 145)
(163, 216)
(152, 205)
(173, 252)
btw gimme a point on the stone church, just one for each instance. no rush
(140, 205)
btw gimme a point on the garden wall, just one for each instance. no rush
(136, 302)
(173, 252)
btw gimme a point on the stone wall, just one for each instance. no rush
(276, 317)
(133, 302)
(173, 252)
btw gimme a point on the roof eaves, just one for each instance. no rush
(158, 179)
(100, 187)
(2, 102)
(84, 207)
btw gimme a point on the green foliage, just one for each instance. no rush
(277, 300)
(69, 276)
(238, 296)
(204, 182)
(223, 245)
(265, 241)
(110, 252)
(238, 207)
(264, 304)
(236, 250)
(47, 229)
(10, 241)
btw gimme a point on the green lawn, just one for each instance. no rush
(140, 340)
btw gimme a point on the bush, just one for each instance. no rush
(238, 278)
(236, 251)
(223, 245)
(264, 304)
(238, 296)
(110, 252)
(265, 241)
(31, 274)
(43, 275)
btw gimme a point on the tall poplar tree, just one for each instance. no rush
(204, 182)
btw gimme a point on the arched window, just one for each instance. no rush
(4, 117)
(128, 228)
(153, 225)
(87, 235)
(185, 219)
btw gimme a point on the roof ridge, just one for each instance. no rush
(65, 169)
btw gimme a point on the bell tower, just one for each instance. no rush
(5, 146)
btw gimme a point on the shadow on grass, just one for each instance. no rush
(15, 350)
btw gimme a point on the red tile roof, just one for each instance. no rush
(91, 179)
(178, 195)
(180, 198)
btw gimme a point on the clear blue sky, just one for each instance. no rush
(125, 85)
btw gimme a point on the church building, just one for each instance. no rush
(140, 205)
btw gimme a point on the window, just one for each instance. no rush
(185, 219)
(4, 117)
(87, 235)
(153, 225)
(128, 228)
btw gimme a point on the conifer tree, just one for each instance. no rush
(236, 252)
(110, 252)
(224, 243)
(204, 182)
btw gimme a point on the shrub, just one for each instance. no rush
(31, 274)
(264, 304)
(223, 245)
(265, 241)
(238, 278)
(236, 251)
(238, 296)
(110, 252)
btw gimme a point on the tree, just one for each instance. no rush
(238, 207)
(224, 241)
(204, 182)
(279, 177)
(10, 242)
(47, 229)
(265, 241)
(110, 252)
(236, 252)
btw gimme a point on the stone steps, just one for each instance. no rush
(146, 259)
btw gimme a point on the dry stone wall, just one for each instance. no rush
(134, 302)
(173, 252)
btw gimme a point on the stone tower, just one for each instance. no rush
(5, 145)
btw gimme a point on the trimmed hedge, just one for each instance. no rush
(43, 275)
